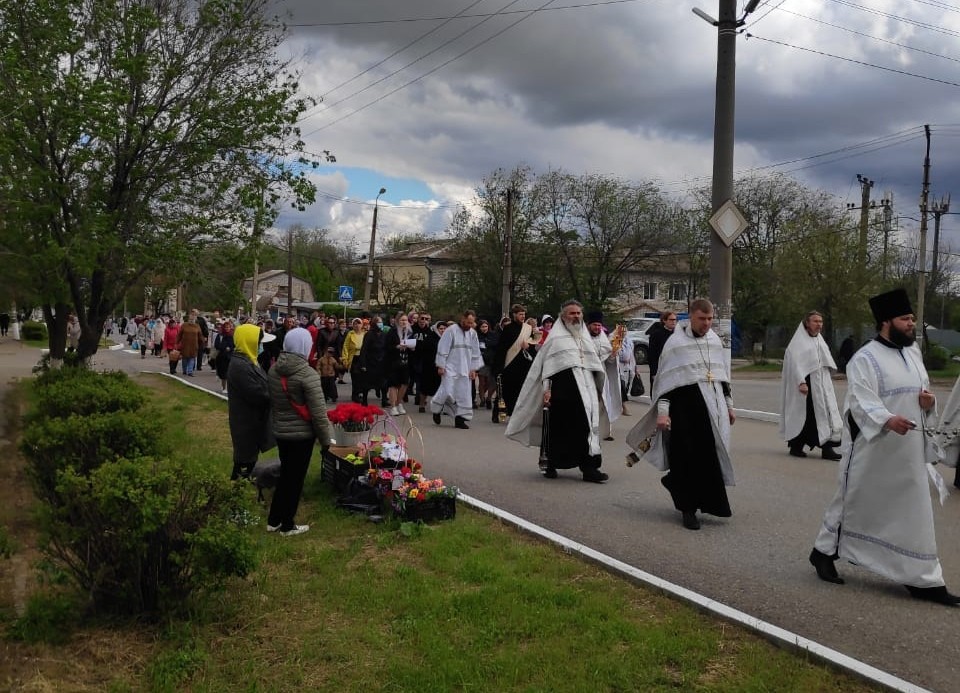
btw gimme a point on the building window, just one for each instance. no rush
(678, 291)
(650, 291)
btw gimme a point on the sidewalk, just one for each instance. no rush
(16, 361)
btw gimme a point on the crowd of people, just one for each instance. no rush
(563, 383)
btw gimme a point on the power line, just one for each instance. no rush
(456, 16)
(435, 69)
(852, 60)
(412, 62)
(898, 18)
(869, 36)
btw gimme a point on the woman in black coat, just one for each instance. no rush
(248, 402)
(372, 362)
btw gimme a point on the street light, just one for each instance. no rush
(373, 243)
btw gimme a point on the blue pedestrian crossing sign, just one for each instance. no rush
(345, 294)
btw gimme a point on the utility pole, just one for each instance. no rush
(887, 204)
(373, 246)
(721, 198)
(507, 256)
(865, 186)
(939, 208)
(290, 271)
(922, 260)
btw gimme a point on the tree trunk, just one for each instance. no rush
(55, 317)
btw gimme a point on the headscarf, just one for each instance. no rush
(246, 340)
(298, 341)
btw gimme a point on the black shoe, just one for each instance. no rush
(826, 570)
(690, 520)
(422, 409)
(459, 422)
(938, 595)
(550, 473)
(595, 476)
(436, 419)
(798, 452)
(488, 404)
(828, 453)
(609, 438)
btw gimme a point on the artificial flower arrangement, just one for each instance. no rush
(392, 479)
(354, 417)
(420, 490)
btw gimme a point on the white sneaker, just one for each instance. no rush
(297, 529)
(394, 411)
(273, 528)
(401, 410)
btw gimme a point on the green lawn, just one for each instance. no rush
(467, 605)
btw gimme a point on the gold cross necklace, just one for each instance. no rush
(706, 362)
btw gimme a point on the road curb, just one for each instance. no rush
(775, 634)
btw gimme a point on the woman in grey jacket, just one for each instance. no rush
(299, 420)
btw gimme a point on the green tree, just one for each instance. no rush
(141, 130)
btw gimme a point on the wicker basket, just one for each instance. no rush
(429, 510)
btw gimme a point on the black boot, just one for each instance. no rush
(690, 520)
(436, 419)
(826, 570)
(460, 422)
(797, 451)
(938, 595)
(829, 452)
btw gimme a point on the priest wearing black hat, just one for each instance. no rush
(881, 517)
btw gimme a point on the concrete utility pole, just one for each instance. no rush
(721, 254)
(887, 204)
(939, 208)
(507, 256)
(922, 259)
(866, 185)
(290, 271)
(373, 245)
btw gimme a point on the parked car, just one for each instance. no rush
(637, 332)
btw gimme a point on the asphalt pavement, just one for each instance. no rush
(755, 561)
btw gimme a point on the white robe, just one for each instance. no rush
(805, 356)
(567, 348)
(881, 517)
(458, 353)
(688, 360)
(610, 399)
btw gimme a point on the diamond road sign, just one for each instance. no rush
(345, 294)
(728, 222)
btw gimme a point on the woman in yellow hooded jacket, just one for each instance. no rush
(248, 401)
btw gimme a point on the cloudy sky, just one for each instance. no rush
(427, 97)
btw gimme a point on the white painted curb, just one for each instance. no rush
(767, 630)
(774, 633)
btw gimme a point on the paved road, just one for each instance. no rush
(755, 561)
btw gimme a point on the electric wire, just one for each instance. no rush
(472, 48)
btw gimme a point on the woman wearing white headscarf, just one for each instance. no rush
(299, 420)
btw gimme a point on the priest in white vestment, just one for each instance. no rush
(566, 378)
(611, 402)
(809, 416)
(881, 517)
(458, 360)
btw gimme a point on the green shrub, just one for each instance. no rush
(936, 358)
(61, 392)
(140, 536)
(50, 617)
(33, 331)
(83, 443)
(6, 543)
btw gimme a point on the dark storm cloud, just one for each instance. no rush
(628, 89)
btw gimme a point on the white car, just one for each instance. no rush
(637, 332)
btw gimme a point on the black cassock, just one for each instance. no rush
(694, 480)
(569, 427)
